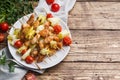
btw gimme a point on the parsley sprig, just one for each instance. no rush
(12, 10)
(3, 61)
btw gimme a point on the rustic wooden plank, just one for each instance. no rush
(95, 15)
(83, 71)
(96, 39)
(94, 45)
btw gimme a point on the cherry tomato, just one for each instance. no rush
(55, 7)
(30, 76)
(57, 29)
(4, 26)
(49, 15)
(2, 37)
(49, 1)
(29, 59)
(67, 41)
(18, 44)
(23, 51)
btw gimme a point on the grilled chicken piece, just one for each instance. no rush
(34, 53)
(40, 58)
(27, 43)
(36, 24)
(48, 39)
(21, 36)
(35, 39)
(59, 45)
(41, 45)
(52, 52)
(56, 38)
(25, 25)
(47, 24)
(51, 29)
(44, 33)
(31, 19)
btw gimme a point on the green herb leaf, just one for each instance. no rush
(3, 58)
(11, 10)
(11, 66)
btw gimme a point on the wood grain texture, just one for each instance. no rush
(94, 45)
(83, 71)
(95, 15)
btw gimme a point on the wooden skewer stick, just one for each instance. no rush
(24, 19)
(20, 21)
(55, 55)
(45, 61)
(45, 10)
(49, 58)
(35, 13)
(27, 16)
(37, 66)
(63, 49)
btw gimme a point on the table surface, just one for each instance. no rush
(95, 51)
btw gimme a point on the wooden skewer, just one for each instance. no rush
(20, 21)
(27, 16)
(55, 55)
(49, 58)
(37, 66)
(45, 10)
(35, 13)
(45, 61)
(63, 49)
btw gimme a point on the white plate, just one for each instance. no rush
(48, 62)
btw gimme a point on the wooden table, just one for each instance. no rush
(95, 52)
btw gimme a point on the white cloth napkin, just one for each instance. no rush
(66, 6)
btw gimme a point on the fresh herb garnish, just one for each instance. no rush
(11, 66)
(12, 10)
(3, 58)
(3, 61)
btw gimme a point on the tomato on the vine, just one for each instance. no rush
(57, 29)
(4, 26)
(67, 41)
(55, 7)
(29, 59)
(49, 1)
(18, 44)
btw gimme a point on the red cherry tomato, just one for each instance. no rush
(67, 41)
(2, 37)
(23, 51)
(18, 44)
(30, 76)
(49, 1)
(4, 26)
(49, 15)
(29, 59)
(55, 7)
(57, 29)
